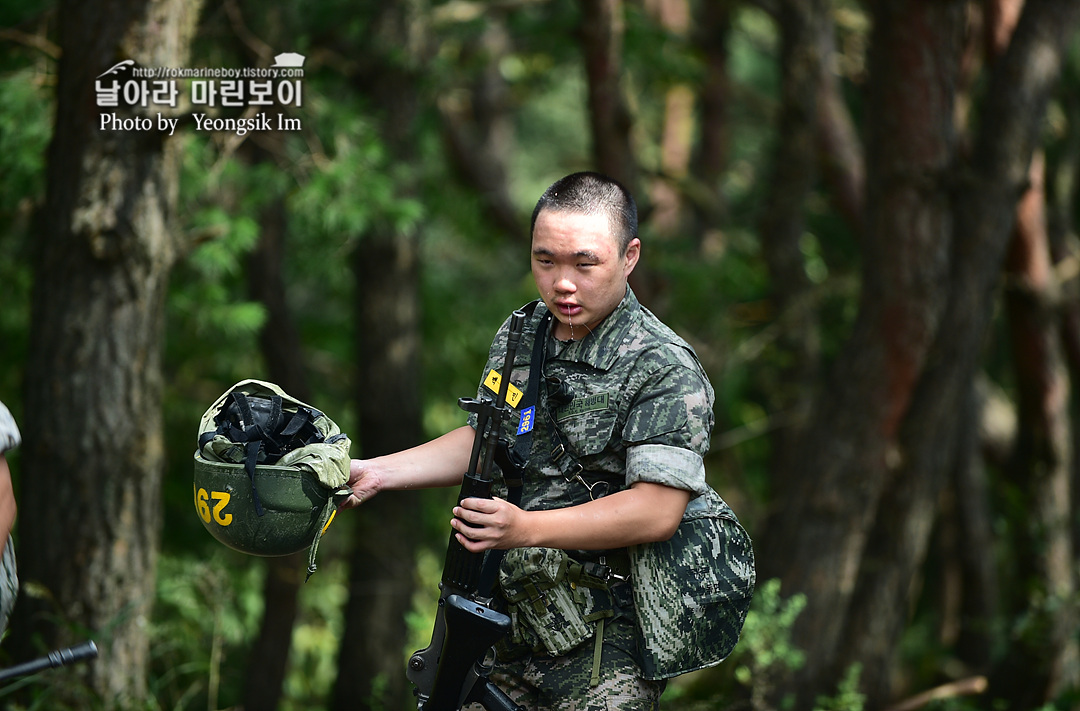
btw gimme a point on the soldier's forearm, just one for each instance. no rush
(438, 463)
(644, 513)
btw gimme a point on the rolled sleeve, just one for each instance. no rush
(663, 464)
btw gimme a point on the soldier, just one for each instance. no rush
(9, 581)
(621, 424)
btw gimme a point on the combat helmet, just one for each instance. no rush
(270, 471)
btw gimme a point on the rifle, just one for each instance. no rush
(68, 655)
(451, 670)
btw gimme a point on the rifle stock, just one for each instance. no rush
(471, 629)
(451, 670)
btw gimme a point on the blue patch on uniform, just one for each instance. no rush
(525, 424)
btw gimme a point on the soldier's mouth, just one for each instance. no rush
(568, 309)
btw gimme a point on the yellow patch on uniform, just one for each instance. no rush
(513, 395)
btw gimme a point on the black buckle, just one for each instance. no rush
(602, 571)
(603, 562)
(597, 570)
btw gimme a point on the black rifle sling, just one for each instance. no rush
(512, 462)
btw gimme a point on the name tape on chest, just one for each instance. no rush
(513, 395)
(581, 405)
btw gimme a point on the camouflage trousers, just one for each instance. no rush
(539, 682)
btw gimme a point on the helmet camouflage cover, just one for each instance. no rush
(270, 471)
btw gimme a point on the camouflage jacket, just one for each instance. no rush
(641, 409)
(9, 578)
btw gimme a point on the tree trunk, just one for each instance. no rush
(973, 521)
(840, 150)
(710, 160)
(914, 63)
(479, 132)
(851, 448)
(371, 658)
(609, 117)
(282, 349)
(783, 225)
(983, 216)
(676, 132)
(93, 453)
(371, 664)
(1042, 658)
(1063, 177)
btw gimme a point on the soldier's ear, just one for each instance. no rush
(633, 253)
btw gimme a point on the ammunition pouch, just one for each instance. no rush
(555, 602)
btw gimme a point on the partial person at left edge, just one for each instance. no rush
(9, 580)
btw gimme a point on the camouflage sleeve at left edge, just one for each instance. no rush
(9, 431)
(663, 464)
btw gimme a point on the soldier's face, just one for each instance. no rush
(578, 270)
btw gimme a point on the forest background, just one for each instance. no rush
(862, 216)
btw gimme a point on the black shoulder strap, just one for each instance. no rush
(512, 461)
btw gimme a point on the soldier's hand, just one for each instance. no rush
(486, 524)
(363, 482)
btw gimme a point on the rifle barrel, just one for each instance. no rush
(58, 658)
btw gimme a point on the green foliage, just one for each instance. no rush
(847, 697)
(355, 185)
(316, 636)
(26, 105)
(207, 611)
(206, 296)
(24, 135)
(763, 659)
(207, 616)
(765, 649)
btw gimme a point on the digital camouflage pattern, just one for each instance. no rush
(691, 610)
(562, 683)
(9, 584)
(9, 574)
(640, 408)
(535, 584)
